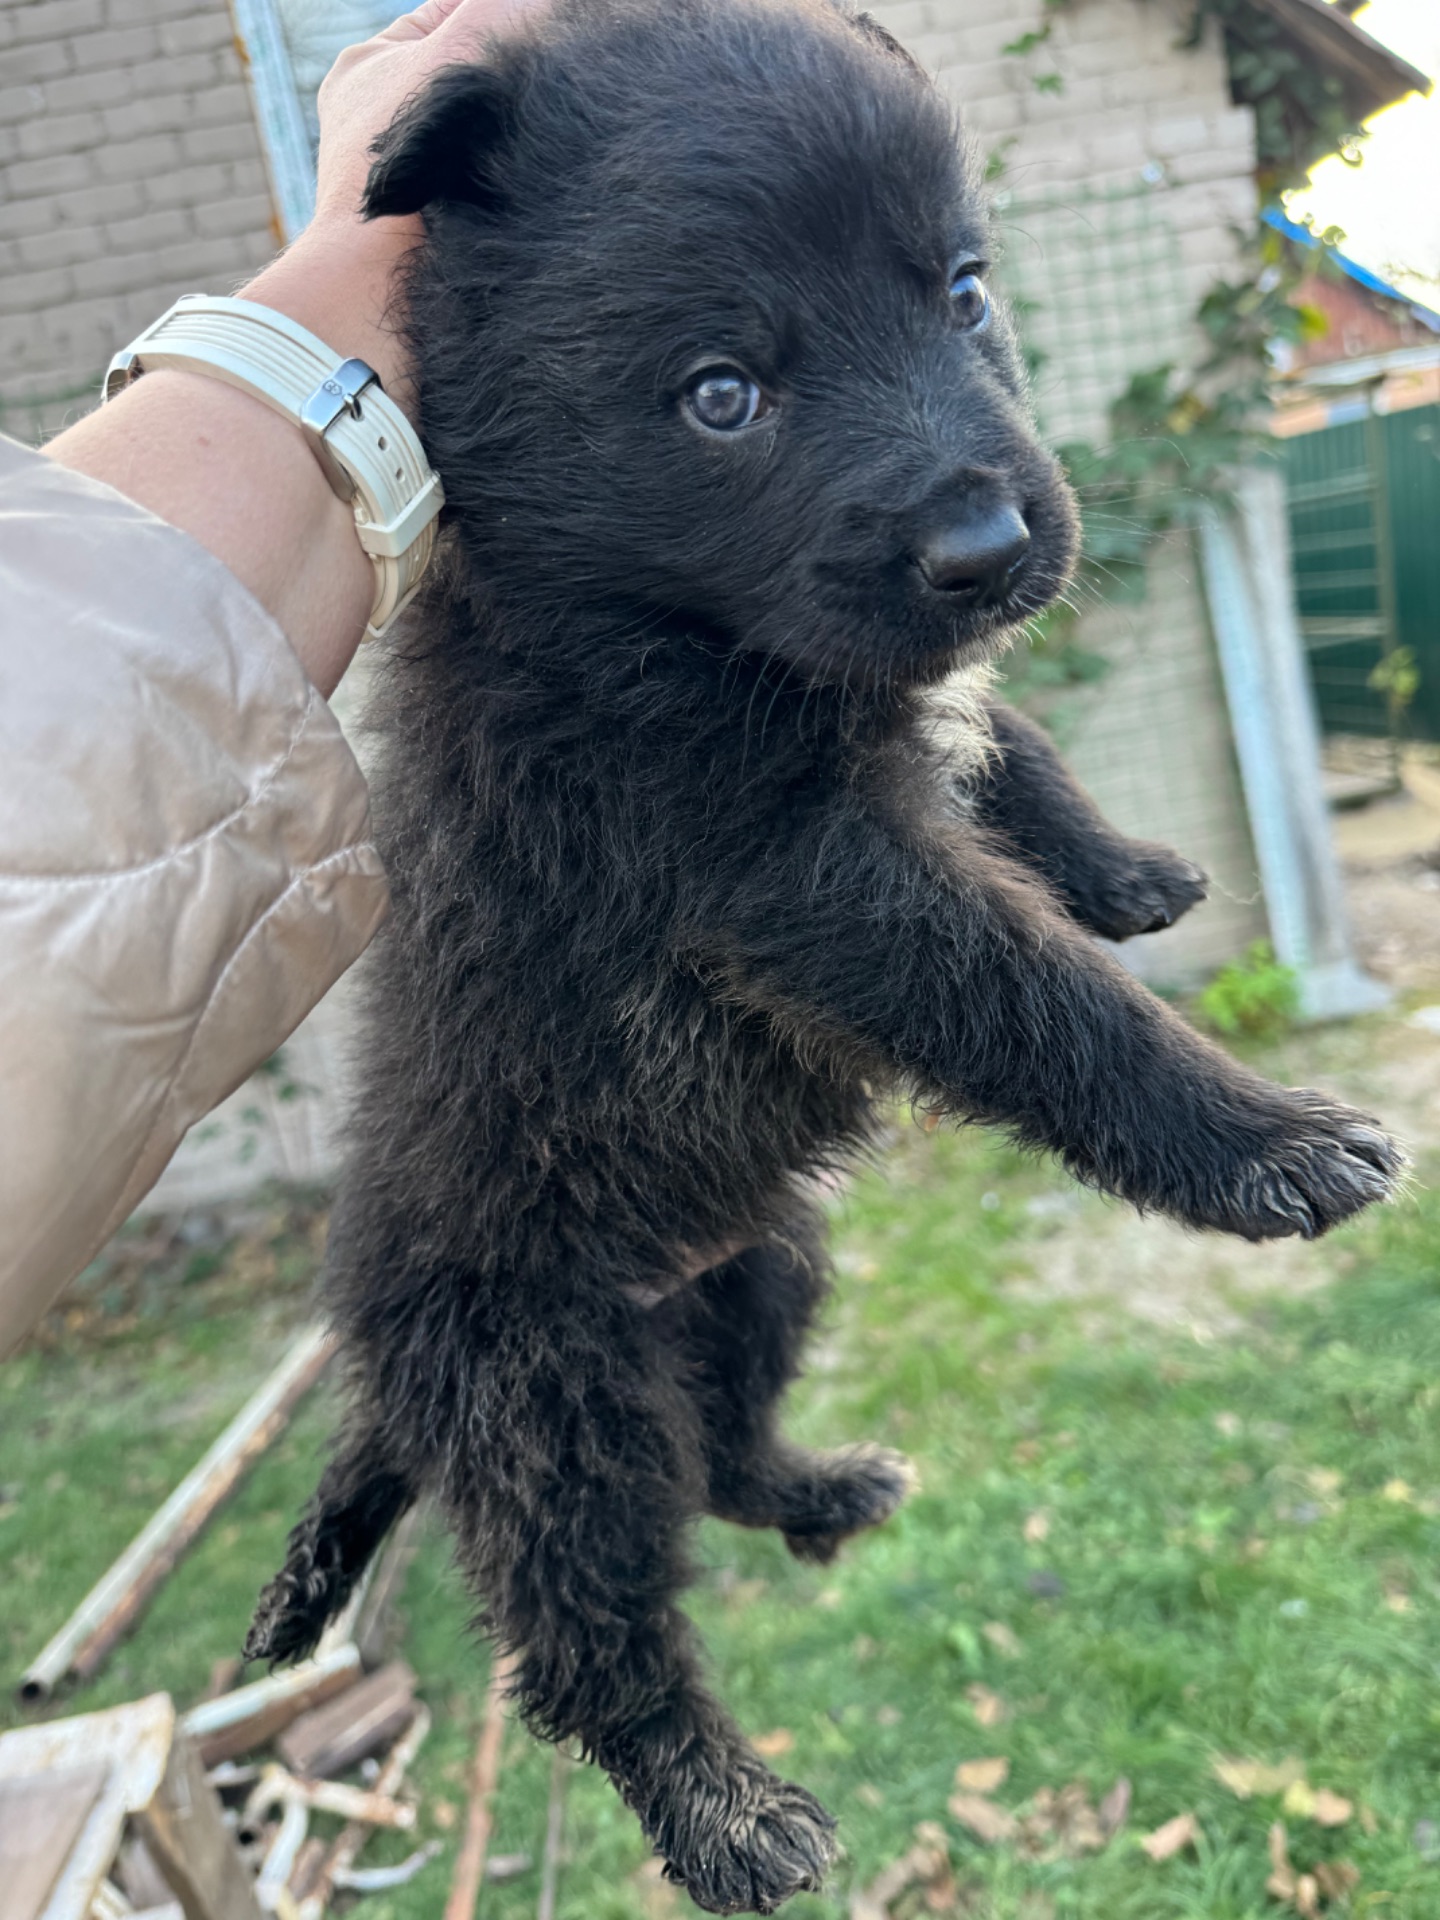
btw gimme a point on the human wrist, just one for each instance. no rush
(339, 280)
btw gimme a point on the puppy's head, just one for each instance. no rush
(706, 342)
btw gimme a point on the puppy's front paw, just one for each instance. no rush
(1146, 888)
(742, 1842)
(1321, 1164)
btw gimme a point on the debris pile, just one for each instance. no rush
(229, 1811)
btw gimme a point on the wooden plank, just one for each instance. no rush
(182, 1826)
(117, 1600)
(375, 1618)
(240, 1721)
(133, 1743)
(344, 1732)
(40, 1821)
(480, 1816)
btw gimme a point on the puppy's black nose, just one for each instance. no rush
(977, 556)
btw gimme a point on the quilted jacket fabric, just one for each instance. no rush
(185, 859)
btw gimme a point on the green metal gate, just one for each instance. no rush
(1365, 533)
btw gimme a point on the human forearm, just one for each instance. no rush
(237, 476)
(223, 466)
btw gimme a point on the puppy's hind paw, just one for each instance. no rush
(291, 1614)
(856, 1487)
(1146, 890)
(749, 1847)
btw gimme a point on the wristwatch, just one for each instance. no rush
(367, 449)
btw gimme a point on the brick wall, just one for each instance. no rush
(130, 173)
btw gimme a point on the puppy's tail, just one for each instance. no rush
(357, 1502)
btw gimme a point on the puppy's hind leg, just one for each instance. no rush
(739, 1331)
(573, 1472)
(359, 1499)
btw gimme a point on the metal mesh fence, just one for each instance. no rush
(1099, 287)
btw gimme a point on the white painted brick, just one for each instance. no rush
(56, 19)
(235, 214)
(198, 32)
(19, 104)
(25, 216)
(102, 201)
(150, 230)
(116, 47)
(142, 156)
(199, 73)
(199, 258)
(125, 13)
(1189, 133)
(103, 87)
(29, 177)
(116, 273)
(31, 292)
(248, 176)
(60, 133)
(236, 141)
(61, 247)
(166, 113)
(46, 60)
(184, 186)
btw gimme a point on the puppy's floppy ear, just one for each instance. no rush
(441, 145)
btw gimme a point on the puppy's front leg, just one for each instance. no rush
(917, 946)
(1113, 885)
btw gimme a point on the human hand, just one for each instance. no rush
(372, 80)
(336, 278)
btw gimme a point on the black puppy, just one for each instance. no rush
(686, 873)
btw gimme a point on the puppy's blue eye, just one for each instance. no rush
(969, 300)
(724, 399)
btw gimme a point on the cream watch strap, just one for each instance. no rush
(364, 443)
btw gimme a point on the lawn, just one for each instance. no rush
(1134, 1554)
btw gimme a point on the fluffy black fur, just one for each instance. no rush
(684, 875)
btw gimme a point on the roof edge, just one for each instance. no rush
(1373, 75)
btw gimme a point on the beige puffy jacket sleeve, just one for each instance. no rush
(185, 859)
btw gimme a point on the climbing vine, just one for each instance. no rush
(1300, 113)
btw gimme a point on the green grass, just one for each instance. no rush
(1219, 1572)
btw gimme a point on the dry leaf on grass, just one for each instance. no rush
(1177, 1834)
(927, 1862)
(989, 1824)
(1002, 1639)
(1337, 1879)
(1304, 1802)
(1114, 1809)
(1331, 1809)
(771, 1745)
(1037, 1526)
(1064, 1825)
(986, 1705)
(1400, 1490)
(1247, 1777)
(1331, 1882)
(982, 1776)
(869, 1795)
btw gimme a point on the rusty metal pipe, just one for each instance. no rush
(114, 1604)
